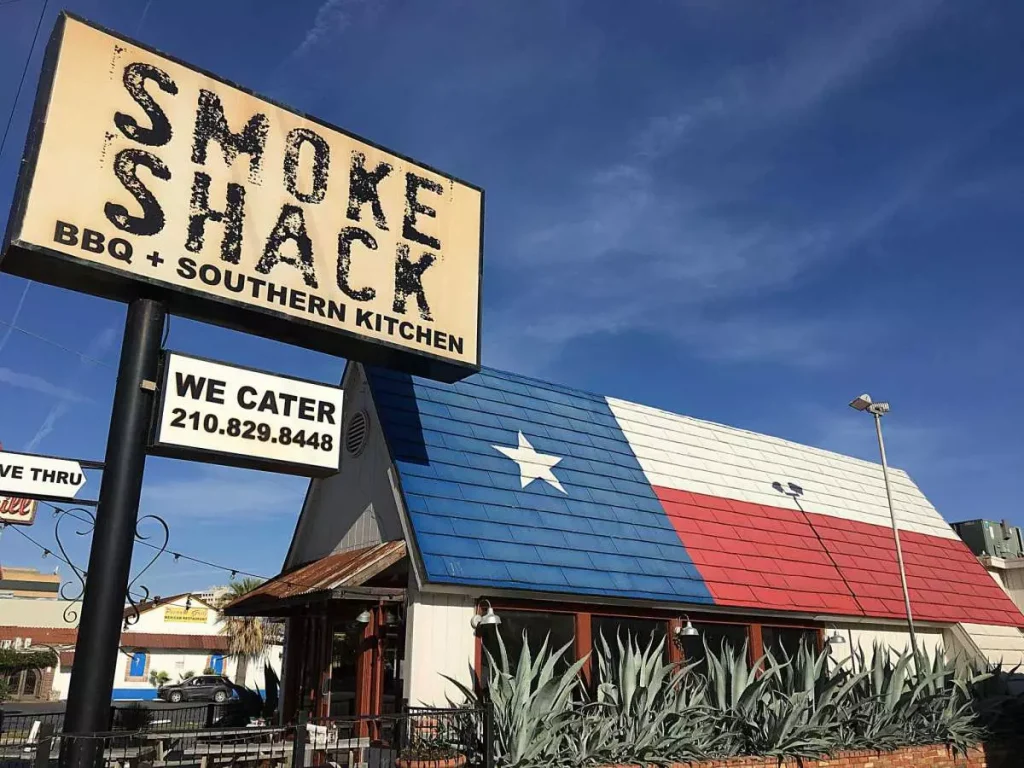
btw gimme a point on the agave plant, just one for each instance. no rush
(651, 709)
(532, 703)
(647, 711)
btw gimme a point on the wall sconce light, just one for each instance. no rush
(488, 619)
(687, 630)
(835, 637)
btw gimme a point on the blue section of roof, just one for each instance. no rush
(474, 522)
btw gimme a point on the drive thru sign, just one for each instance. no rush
(31, 476)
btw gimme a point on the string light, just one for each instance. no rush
(176, 556)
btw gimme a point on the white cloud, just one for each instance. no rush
(40, 386)
(659, 247)
(9, 329)
(331, 17)
(218, 494)
(96, 349)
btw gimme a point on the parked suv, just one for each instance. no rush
(199, 688)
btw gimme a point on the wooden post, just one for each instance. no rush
(44, 741)
(755, 648)
(585, 645)
(675, 653)
(377, 668)
(364, 674)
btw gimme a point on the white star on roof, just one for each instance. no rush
(532, 465)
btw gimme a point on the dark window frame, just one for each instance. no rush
(584, 613)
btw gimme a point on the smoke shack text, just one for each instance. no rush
(362, 202)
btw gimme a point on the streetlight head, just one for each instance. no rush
(862, 403)
(878, 409)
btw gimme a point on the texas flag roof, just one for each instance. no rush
(514, 483)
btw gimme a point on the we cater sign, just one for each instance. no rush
(144, 171)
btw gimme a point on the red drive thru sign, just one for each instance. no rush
(15, 510)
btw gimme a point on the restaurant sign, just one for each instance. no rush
(147, 176)
(227, 414)
(177, 615)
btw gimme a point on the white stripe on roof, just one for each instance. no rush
(688, 454)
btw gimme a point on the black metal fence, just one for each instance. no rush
(421, 738)
(417, 738)
(132, 717)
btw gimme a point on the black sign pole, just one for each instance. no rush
(99, 633)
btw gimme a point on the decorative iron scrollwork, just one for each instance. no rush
(143, 595)
(135, 593)
(70, 611)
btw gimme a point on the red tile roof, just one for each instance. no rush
(759, 556)
(68, 636)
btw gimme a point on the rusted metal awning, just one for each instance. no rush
(339, 576)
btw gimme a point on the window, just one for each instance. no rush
(641, 631)
(559, 628)
(784, 642)
(137, 665)
(715, 637)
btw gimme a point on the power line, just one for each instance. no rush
(24, 72)
(57, 344)
(177, 555)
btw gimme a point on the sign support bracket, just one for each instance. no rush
(99, 633)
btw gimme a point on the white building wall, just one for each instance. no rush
(157, 621)
(988, 643)
(61, 681)
(35, 612)
(865, 636)
(31, 613)
(173, 662)
(439, 641)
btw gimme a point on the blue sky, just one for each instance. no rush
(748, 212)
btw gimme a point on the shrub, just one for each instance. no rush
(644, 710)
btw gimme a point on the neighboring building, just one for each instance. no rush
(214, 595)
(574, 515)
(1009, 574)
(174, 635)
(28, 582)
(1000, 548)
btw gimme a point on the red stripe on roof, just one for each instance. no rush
(757, 556)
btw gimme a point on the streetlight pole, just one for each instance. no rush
(864, 403)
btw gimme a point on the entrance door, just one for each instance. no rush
(25, 685)
(346, 641)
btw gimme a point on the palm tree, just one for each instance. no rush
(247, 635)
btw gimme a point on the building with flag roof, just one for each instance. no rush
(571, 514)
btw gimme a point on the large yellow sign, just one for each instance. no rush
(144, 174)
(173, 613)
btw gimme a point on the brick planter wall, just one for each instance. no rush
(910, 757)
